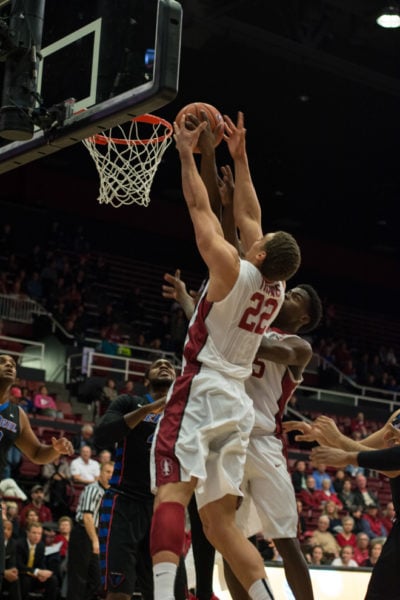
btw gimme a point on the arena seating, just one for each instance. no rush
(29, 472)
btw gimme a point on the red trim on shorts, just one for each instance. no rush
(166, 463)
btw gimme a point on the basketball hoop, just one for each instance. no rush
(127, 157)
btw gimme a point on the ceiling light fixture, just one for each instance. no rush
(389, 17)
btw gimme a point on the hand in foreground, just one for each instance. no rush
(187, 139)
(235, 136)
(207, 138)
(62, 446)
(333, 457)
(176, 290)
(302, 426)
(323, 430)
(326, 431)
(391, 437)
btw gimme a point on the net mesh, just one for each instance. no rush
(127, 157)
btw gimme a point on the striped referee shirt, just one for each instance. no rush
(89, 502)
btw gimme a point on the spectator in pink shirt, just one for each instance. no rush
(44, 404)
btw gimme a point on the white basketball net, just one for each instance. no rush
(127, 158)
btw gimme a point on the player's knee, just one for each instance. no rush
(168, 528)
(217, 523)
(215, 532)
(289, 549)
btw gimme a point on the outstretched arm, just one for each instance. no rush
(120, 419)
(386, 461)
(290, 351)
(33, 449)
(208, 165)
(176, 290)
(226, 185)
(380, 438)
(220, 257)
(325, 431)
(220, 189)
(247, 210)
(339, 450)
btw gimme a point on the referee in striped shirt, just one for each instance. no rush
(83, 570)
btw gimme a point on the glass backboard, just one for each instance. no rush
(71, 69)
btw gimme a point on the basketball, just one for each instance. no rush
(213, 114)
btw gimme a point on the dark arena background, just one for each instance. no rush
(319, 84)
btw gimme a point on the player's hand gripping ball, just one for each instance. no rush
(213, 115)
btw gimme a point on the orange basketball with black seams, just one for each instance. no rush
(213, 114)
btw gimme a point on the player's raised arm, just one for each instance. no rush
(176, 290)
(247, 210)
(208, 165)
(220, 257)
(220, 189)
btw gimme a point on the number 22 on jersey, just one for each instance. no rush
(258, 316)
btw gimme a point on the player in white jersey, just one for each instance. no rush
(269, 504)
(201, 440)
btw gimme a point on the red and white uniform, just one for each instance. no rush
(208, 416)
(269, 504)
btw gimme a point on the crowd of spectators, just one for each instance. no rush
(352, 522)
(45, 519)
(349, 524)
(336, 529)
(68, 280)
(372, 367)
(346, 526)
(341, 520)
(66, 276)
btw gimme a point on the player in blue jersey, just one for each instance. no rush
(127, 506)
(15, 429)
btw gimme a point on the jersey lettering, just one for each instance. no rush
(258, 368)
(7, 424)
(152, 418)
(257, 316)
